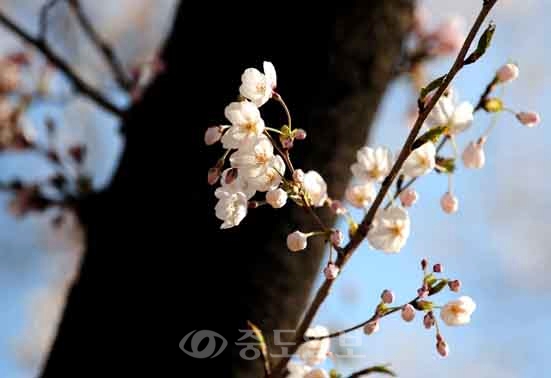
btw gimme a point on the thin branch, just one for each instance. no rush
(80, 85)
(105, 48)
(373, 369)
(43, 18)
(365, 225)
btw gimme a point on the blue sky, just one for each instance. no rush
(497, 244)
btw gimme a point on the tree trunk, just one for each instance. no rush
(156, 266)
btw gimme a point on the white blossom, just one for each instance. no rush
(231, 207)
(271, 177)
(458, 312)
(420, 161)
(457, 117)
(257, 86)
(247, 124)
(372, 164)
(314, 352)
(254, 159)
(361, 196)
(390, 230)
(297, 370)
(277, 198)
(316, 188)
(239, 184)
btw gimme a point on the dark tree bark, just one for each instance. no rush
(156, 266)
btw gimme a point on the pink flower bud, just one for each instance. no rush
(297, 241)
(298, 176)
(337, 207)
(424, 264)
(299, 134)
(387, 296)
(437, 268)
(507, 73)
(337, 237)
(213, 175)
(408, 313)
(449, 203)
(442, 348)
(331, 271)
(428, 320)
(213, 135)
(253, 204)
(287, 143)
(371, 327)
(473, 156)
(529, 119)
(408, 197)
(454, 285)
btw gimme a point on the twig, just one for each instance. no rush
(43, 18)
(106, 50)
(365, 225)
(79, 84)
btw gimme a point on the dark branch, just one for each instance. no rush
(106, 50)
(43, 18)
(80, 85)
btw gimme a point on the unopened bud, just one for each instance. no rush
(437, 268)
(371, 327)
(529, 119)
(337, 207)
(449, 203)
(287, 143)
(424, 264)
(299, 134)
(507, 73)
(408, 197)
(454, 285)
(387, 296)
(428, 320)
(408, 313)
(213, 175)
(442, 348)
(473, 156)
(331, 271)
(213, 135)
(231, 176)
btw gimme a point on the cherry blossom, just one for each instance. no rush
(247, 124)
(316, 188)
(421, 161)
(372, 164)
(390, 230)
(458, 312)
(257, 86)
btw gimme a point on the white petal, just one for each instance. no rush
(270, 72)
(462, 118)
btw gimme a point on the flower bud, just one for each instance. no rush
(428, 320)
(297, 241)
(529, 119)
(422, 292)
(213, 175)
(408, 197)
(437, 268)
(276, 198)
(371, 327)
(408, 313)
(299, 134)
(507, 73)
(424, 264)
(442, 348)
(454, 285)
(331, 271)
(473, 156)
(337, 238)
(286, 143)
(449, 203)
(298, 176)
(387, 296)
(213, 135)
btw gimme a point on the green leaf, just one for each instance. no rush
(430, 136)
(445, 165)
(483, 44)
(429, 88)
(438, 287)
